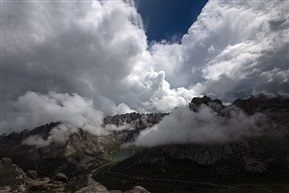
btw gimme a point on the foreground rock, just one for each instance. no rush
(32, 174)
(13, 179)
(12, 176)
(138, 189)
(93, 188)
(60, 177)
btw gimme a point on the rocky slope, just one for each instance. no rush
(263, 103)
(80, 149)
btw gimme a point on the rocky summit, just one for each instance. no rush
(37, 161)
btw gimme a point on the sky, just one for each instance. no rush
(79, 61)
(168, 20)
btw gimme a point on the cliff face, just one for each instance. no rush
(135, 122)
(251, 105)
(196, 103)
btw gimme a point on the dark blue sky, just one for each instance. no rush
(168, 20)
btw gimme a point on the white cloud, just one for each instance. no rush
(99, 50)
(59, 134)
(34, 109)
(184, 126)
(35, 140)
(232, 41)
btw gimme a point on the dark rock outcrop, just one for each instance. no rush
(196, 103)
(88, 185)
(81, 181)
(138, 189)
(12, 176)
(60, 177)
(261, 103)
(13, 179)
(32, 174)
(136, 121)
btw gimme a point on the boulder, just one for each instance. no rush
(89, 185)
(32, 174)
(138, 189)
(81, 181)
(60, 177)
(12, 176)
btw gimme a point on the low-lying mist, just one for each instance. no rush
(205, 126)
(59, 134)
(35, 109)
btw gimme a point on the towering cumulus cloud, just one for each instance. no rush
(235, 48)
(98, 50)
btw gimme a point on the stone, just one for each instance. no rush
(60, 177)
(138, 189)
(92, 187)
(82, 181)
(32, 174)
(12, 176)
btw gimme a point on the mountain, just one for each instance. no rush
(136, 121)
(248, 164)
(76, 151)
(81, 149)
(251, 164)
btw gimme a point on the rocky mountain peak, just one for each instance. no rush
(136, 120)
(196, 102)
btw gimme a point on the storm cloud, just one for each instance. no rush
(98, 51)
